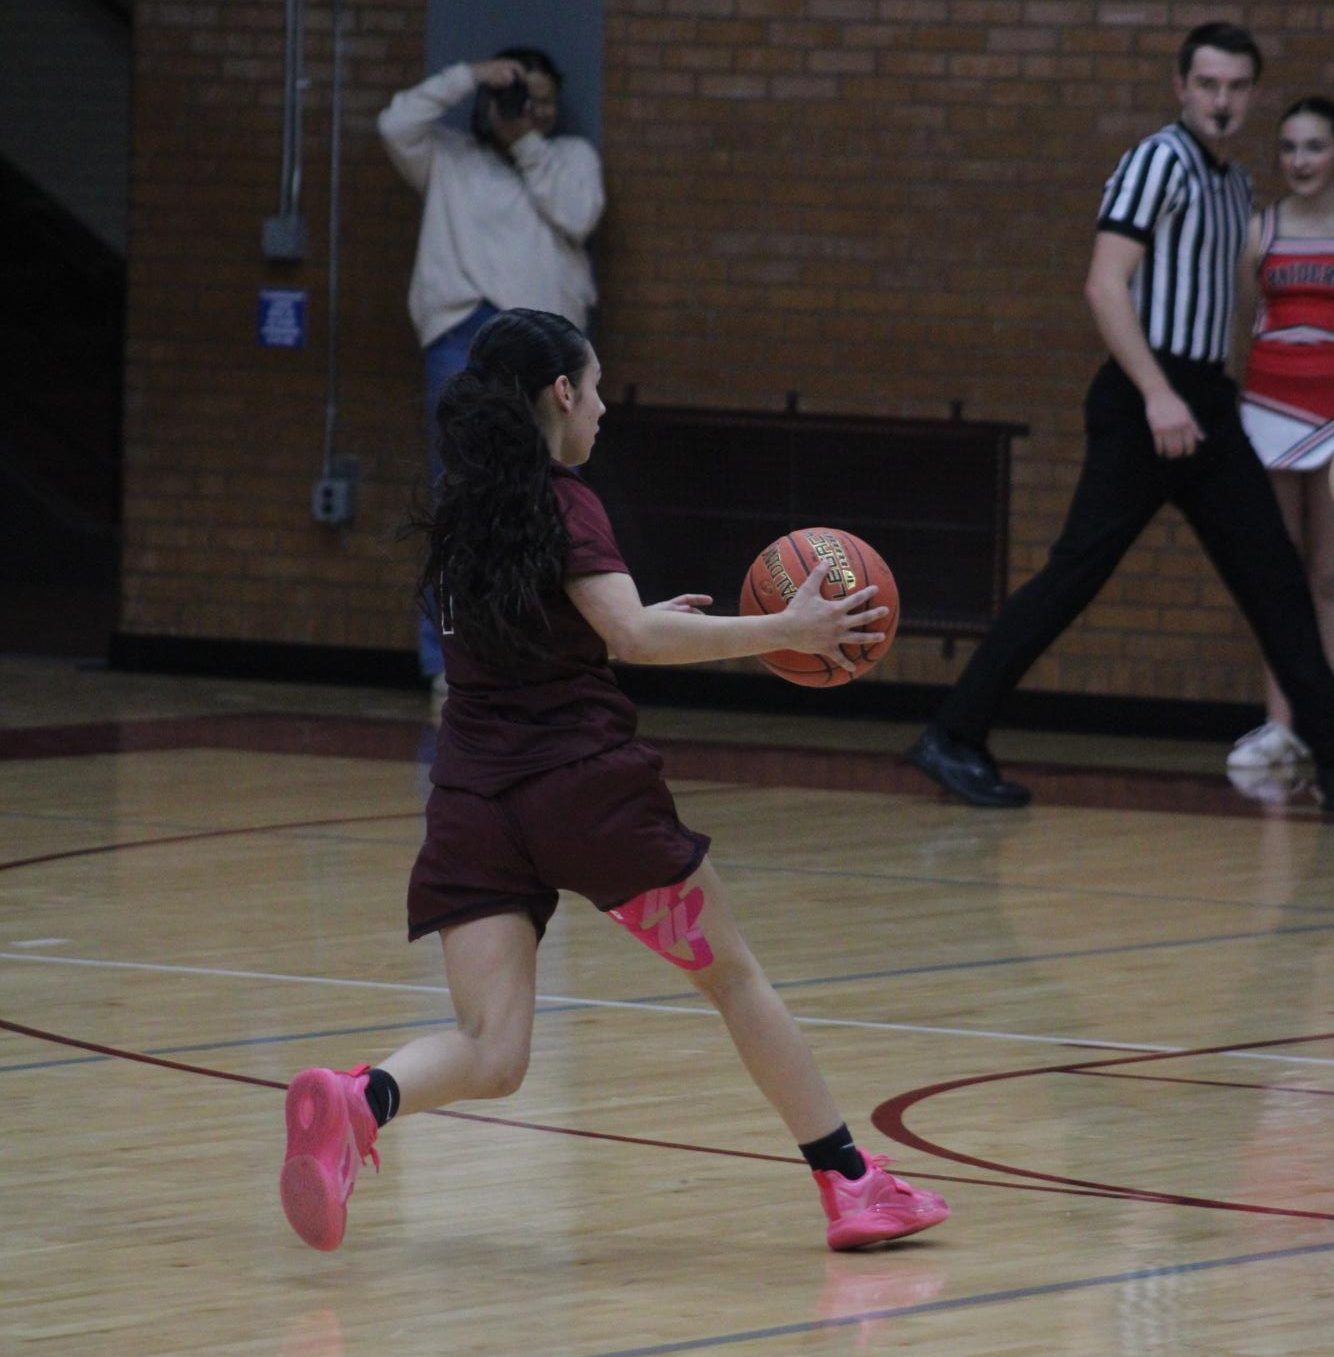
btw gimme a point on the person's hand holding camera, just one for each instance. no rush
(498, 72)
(511, 106)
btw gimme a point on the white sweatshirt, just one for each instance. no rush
(507, 232)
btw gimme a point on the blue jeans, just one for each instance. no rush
(443, 357)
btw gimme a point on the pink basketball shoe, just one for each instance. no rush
(330, 1133)
(875, 1207)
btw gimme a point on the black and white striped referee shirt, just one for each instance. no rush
(1191, 213)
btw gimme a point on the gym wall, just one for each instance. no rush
(885, 205)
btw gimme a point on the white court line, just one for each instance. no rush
(701, 1011)
(220, 972)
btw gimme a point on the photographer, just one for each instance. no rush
(505, 214)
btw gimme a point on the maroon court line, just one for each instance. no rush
(1207, 1083)
(888, 1118)
(196, 835)
(117, 1053)
(754, 764)
(1068, 785)
(358, 737)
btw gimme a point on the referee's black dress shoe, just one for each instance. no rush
(1324, 776)
(967, 772)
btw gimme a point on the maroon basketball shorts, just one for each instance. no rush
(605, 827)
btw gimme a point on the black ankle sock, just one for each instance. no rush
(835, 1151)
(382, 1095)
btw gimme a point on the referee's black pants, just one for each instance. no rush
(1225, 495)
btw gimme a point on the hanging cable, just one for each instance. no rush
(335, 175)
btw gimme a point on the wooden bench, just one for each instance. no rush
(694, 494)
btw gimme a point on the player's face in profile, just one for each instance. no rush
(1215, 93)
(581, 423)
(1306, 154)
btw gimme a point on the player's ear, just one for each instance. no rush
(564, 393)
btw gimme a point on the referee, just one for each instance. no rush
(1161, 425)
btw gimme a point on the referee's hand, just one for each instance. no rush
(1175, 432)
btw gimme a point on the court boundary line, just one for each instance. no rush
(730, 864)
(514, 1123)
(1205, 1083)
(1030, 887)
(561, 1003)
(888, 1119)
(199, 834)
(105, 1052)
(889, 774)
(806, 1326)
(968, 1302)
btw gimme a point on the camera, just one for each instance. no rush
(511, 100)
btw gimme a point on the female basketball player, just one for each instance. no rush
(540, 785)
(1288, 396)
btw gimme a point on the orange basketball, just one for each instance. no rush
(851, 564)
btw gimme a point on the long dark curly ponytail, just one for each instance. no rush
(496, 542)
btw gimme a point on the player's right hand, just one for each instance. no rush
(822, 625)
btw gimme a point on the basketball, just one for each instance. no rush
(851, 564)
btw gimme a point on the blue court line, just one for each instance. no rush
(238, 1043)
(1016, 887)
(739, 865)
(241, 1043)
(1019, 960)
(968, 1302)
(684, 995)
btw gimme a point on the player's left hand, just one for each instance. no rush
(684, 603)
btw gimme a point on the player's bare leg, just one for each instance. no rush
(333, 1116)
(689, 925)
(491, 970)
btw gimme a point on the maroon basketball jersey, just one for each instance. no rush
(497, 730)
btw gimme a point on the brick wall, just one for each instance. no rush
(883, 204)
(224, 438)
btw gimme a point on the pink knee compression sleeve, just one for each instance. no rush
(667, 921)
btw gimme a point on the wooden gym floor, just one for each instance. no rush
(1101, 1026)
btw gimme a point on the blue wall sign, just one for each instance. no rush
(282, 317)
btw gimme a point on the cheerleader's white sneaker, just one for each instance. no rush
(1266, 746)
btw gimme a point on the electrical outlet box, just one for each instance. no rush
(334, 497)
(284, 237)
